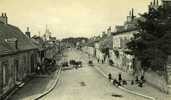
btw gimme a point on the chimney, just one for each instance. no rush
(16, 44)
(157, 3)
(132, 14)
(28, 34)
(154, 2)
(13, 42)
(150, 6)
(4, 18)
(151, 3)
(109, 30)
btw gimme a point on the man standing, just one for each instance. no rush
(110, 76)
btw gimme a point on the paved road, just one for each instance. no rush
(86, 84)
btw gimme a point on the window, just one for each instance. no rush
(16, 66)
(5, 72)
(24, 64)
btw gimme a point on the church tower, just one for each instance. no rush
(28, 33)
(47, 34)
(109, 30)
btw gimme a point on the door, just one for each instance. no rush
(32, 63)
(16, 66)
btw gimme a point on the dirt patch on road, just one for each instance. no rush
(117, 95)
(82, 84)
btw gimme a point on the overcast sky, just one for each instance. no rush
(70, 17)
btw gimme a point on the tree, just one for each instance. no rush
(73, 40)
(152, 44)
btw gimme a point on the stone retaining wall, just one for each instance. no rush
(156, 80)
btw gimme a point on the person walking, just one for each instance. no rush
(102, 61)
(115, 82)
(136, 79)
(140, 84)
(110, 76)
(142, 78)
(132, 82)
(120, 77)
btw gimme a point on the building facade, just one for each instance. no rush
(118, 54)
(17, 57)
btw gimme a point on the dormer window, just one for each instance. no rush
(13, 42)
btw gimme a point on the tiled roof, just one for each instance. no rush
(124, 31)
(7, 32)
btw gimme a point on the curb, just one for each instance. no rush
(125, 89)
(7, 97)
(10, 94)
(51, 88)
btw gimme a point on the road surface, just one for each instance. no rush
(85, 83)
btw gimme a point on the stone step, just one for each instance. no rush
(21, 85)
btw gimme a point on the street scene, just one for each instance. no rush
(84, 50)
(85, 83)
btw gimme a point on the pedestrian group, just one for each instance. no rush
(121, 82)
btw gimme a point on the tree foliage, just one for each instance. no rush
(73, 40)
(152, 44)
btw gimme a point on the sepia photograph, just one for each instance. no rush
(85, 49)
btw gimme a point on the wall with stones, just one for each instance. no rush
(12, 73)
(156, 80)
(9, 74)
(122, 60)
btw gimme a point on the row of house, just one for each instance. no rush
(19, 55)
(112, 47)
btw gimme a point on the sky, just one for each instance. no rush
(69, 18)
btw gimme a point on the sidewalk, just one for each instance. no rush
(145, 90)
(36, 87)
